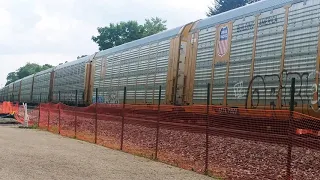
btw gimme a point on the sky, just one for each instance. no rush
(56, 31)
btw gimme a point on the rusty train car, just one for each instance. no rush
(248, 56)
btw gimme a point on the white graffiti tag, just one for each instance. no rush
(314, 92)
(239, 91)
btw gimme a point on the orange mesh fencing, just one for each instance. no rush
(227, 143)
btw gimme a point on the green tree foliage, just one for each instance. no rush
(153, 26)
(220, 6)
(124, 32)
(26, 70)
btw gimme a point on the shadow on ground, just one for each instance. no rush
(7, 120)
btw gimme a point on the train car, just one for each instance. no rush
(250, 54)
(142, 66)
(42, 86)
(69, 81)
(26, 89)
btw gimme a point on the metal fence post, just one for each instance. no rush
(290, 129)
(207, 129)
(59, 96)
(48, 117)
(39, 116)
(75, 115)
(39, 111)
(59, 118)
(158, 125)
(96, 120)
(122, 122)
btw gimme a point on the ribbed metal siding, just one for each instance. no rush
(41, 87)
(240, 61)
(26, 89)
(10, 92)
(2, 94)
(162, 68)
(16, 90)
(6, 93)
(219, 82)
(67, 80)
(301, 50)
(267, 59)
(203, 72)
(141, 70)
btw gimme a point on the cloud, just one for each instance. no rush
(45, 31)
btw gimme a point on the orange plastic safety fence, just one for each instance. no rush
(229, 143)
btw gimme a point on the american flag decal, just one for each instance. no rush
(223, 41)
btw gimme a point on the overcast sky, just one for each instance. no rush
(55, 31)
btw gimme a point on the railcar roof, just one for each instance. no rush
(140, 42)
(43, 72)
(241, 12)
(30, 76)
(84, 59)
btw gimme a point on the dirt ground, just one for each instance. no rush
(34, 154)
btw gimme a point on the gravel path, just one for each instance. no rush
(33, 154)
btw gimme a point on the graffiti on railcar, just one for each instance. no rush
(111, 97)
(239, 90)
(227, 110)
(304, 81)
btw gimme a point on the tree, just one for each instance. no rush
(124, 32)
(153, 26)
(220, 6)
(11, 77)
(26, 70)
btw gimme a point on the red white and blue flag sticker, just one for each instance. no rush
(223, 41)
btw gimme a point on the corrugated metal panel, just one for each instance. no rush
(206, 44)
(240, 60)
(68, 79)
(2, 94)
(301, 50)
(142, 70)
(10, 92)
(16, 90)
(219, 82)
(7, 93)
(41, 86)
(248, 10)
(268, 56)
(26, 89)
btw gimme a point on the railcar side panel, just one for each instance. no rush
(16, 91)
(140, 69)
(69, 78)
(41, 86)
(240, 60)
(203, 64)
(26, 89)
(301, 54)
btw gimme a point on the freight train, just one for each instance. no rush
(247, 56)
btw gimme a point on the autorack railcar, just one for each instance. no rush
(248, 56)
